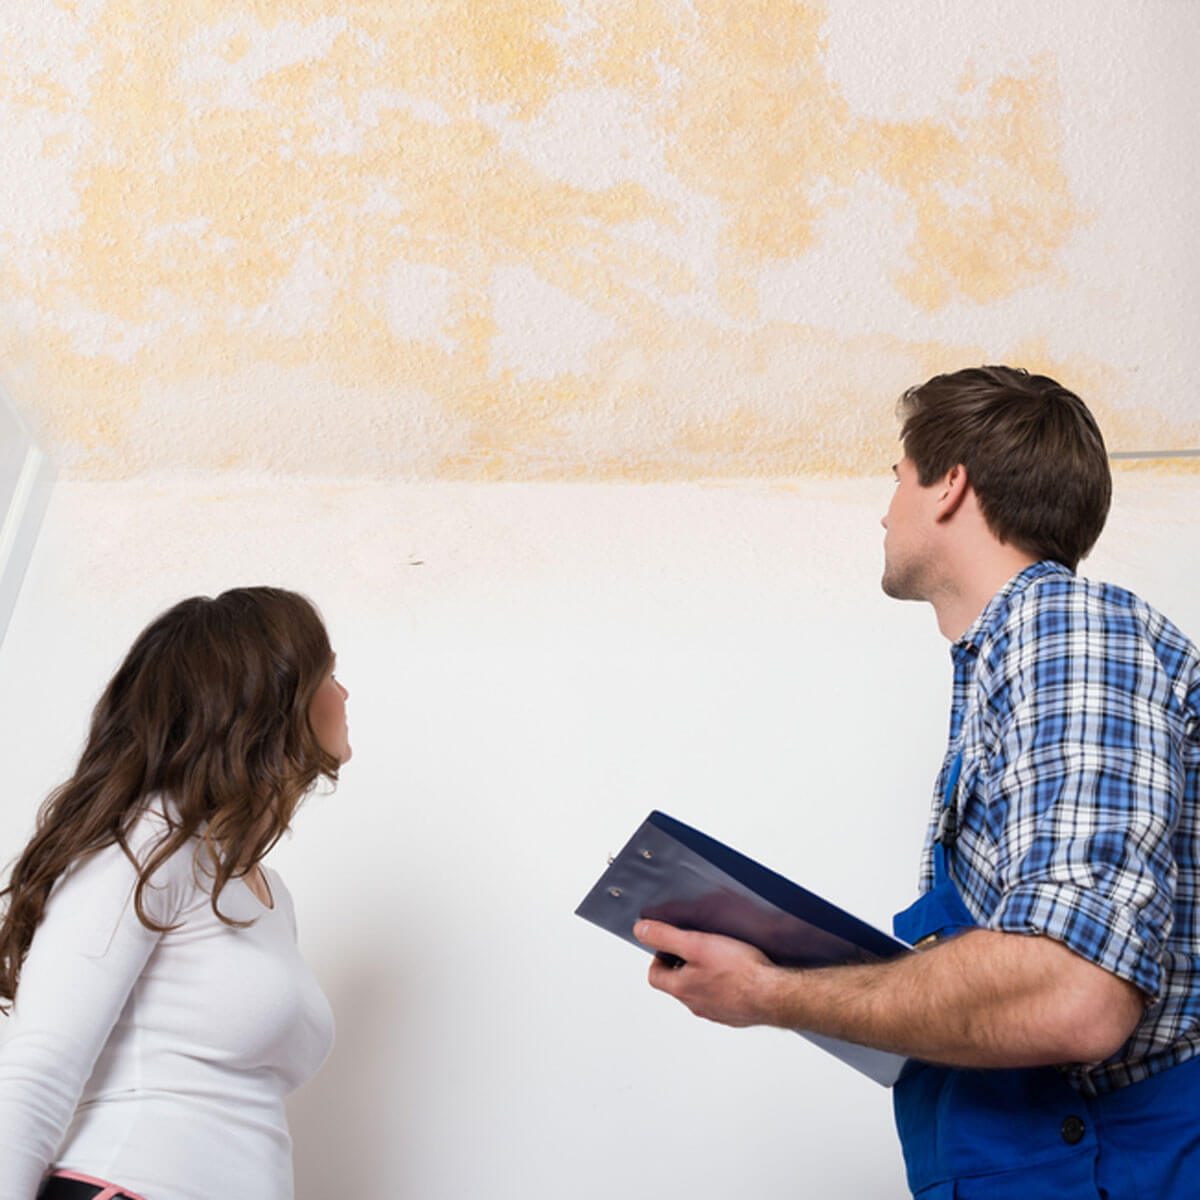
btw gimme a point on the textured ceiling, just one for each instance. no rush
(533, 239)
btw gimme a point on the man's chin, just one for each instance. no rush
(898, 587)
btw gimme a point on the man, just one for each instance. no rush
(1057, 979)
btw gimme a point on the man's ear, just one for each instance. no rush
(951, 492)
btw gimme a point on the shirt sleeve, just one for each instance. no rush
(83, 962)
(1084, 792)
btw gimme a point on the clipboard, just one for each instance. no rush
(670, 872)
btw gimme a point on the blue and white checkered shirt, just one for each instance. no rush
(1077, 709)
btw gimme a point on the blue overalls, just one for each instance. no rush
(1028, 1134)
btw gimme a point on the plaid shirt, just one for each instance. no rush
(1077, 709)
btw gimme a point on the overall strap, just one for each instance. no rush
(947, 829)
(940, 911)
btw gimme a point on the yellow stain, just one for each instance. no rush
(227, 238)
(236, 48)
(506, 42)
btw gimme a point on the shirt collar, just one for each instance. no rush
(996, 609)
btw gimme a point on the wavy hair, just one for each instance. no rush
(210, 709)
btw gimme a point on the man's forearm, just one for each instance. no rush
(981, 1000)
(984, 999)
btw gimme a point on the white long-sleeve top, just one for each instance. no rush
(159, 1062)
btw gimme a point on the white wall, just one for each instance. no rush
(532, 668)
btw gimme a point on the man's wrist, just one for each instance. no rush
(776, 988)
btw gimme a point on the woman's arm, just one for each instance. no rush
(84, 960)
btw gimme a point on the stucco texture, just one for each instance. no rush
(582, 239)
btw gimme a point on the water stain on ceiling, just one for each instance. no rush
(523, 239)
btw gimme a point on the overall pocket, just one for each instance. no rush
(977, 1126)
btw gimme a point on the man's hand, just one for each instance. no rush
(721, 979)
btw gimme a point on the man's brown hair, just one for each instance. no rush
(1032, 452)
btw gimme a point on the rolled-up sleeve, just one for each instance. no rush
(1084, 796)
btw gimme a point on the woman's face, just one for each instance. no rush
(327, 715)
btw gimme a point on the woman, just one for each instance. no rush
(160, 1009)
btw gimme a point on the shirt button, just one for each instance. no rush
(1073, 1130)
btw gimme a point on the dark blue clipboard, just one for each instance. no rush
(670, 872)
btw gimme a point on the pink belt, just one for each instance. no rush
(104, 1189)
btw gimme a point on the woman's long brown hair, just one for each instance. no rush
(209, 710)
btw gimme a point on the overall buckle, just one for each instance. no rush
(947, 827)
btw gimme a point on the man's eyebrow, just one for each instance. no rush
(896, 470)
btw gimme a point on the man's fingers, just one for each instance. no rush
(664, 938)
(670, 951)
(664, 977)
(718, 977)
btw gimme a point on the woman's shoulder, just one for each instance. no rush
(114, 870)
(154, 827)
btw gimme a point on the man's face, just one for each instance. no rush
(909, 520)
